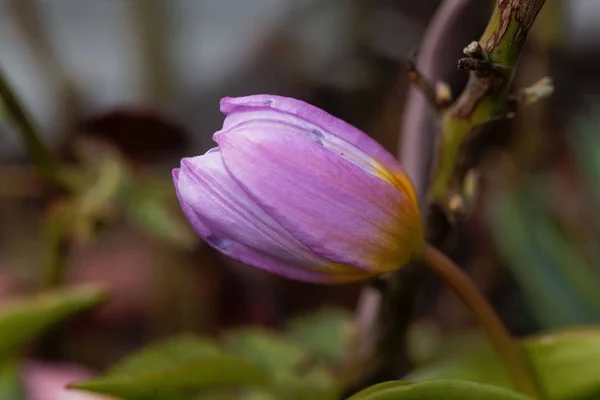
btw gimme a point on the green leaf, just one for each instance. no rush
(176, 379)
(236, 394)
(316, 384)
(560, 288)
(101, 182)
(22, 321)
(325, 332)
(174, 369)
(567, 365)
(378, 388)
(586, 144)
(178, 349)
(268, 349)
(295, 373)
(154, 207)
(436, 390)
(10, 383)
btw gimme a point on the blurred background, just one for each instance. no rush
(123, 89)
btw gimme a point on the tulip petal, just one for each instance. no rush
(228, 220)
(192, 217)
(334, 207)
(333, 133)
(255, 258)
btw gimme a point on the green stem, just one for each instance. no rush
(485, 96)
(56, 251)
(43, 159)
(506, 347)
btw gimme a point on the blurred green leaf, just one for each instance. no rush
(295, 372)
(556, 282)
(107, 175)
(99, 185)
(586, 143)
(315, 384)
(567, 365)
(178, 349)
(325, 332)
(378, 388)
(236, 394)
(555, 258)
(22, 321)
(56, 233)
(436, 390)
(269, 349)
(424, 341)
(10, 382)
(154, 207)
(180, 368)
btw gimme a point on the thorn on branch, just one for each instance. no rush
(473, 64)
(478, 60)
(443, 94)
(460, 204)
(532, 94)
(474, 50)
(455, 206)
(482, 68)
(471, 190)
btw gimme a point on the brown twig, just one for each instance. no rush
(417, 78)
(416, 138)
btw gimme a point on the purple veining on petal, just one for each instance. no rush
(228, 220)
(337, 209)
(192, 217)
(340, 137)
(308, 113)
(300, 193)
(334, 140)
(273, 265)
(312, 115)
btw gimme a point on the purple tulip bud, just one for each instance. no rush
(295, 191)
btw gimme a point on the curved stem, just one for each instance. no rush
(506, 347)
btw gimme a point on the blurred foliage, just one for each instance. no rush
(154, 207)
(550, 239)
(177, 369)
(434, 390)
(251, 363)
(325, 332)
(22, 321)
(566, 365)
(10, 382)
(263, 364)
(110, 172)
(105, 185)
(585, 141)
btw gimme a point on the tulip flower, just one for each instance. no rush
(295, 191)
